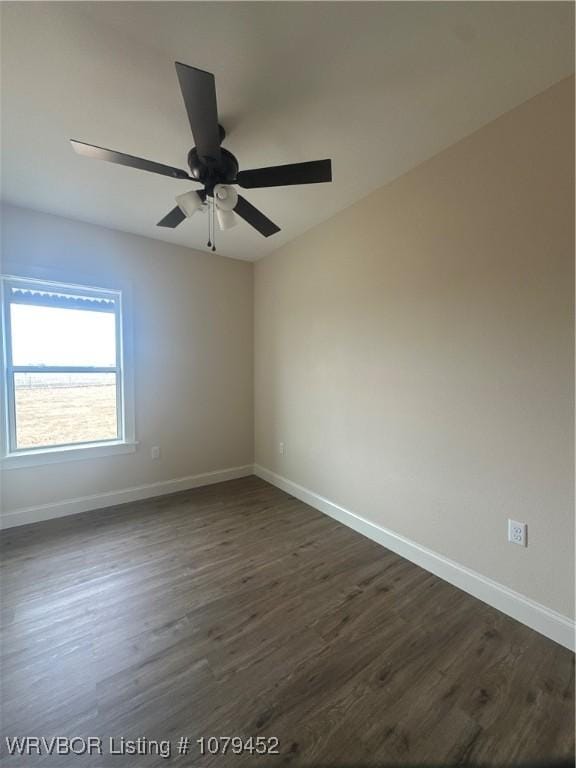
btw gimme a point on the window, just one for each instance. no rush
(64, 367)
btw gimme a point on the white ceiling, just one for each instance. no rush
(378, 87)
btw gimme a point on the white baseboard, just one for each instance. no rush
(554, 625)
(36, 514)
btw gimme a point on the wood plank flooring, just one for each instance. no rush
(237, 610)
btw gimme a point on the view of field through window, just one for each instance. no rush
(64, 407)
(59, 409)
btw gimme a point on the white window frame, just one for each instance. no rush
(14, 457)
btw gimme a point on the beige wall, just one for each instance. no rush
(415, 353)
(192, 319)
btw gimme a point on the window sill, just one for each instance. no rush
(25, 459)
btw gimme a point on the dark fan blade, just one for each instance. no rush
(98, 153)
(199, 92)
(172, 219)
(281, 175)
(255, 218)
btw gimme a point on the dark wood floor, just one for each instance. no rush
(238, 610)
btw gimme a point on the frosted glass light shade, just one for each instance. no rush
(225, 197)
(189, 202)
(226, 219)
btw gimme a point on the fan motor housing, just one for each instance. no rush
(223, 172)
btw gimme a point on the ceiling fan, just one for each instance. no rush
(214, 167)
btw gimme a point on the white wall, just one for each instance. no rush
(192, 333)
(415, 353)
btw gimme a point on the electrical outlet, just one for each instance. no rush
(517, 533)
(155, 452)
(281, 449)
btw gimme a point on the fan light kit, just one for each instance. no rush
(214, 167)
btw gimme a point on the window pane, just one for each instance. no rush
(56, 336)
(64, 408)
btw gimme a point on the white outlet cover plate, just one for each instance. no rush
(517, 533)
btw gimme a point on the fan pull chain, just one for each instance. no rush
(209, 243)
